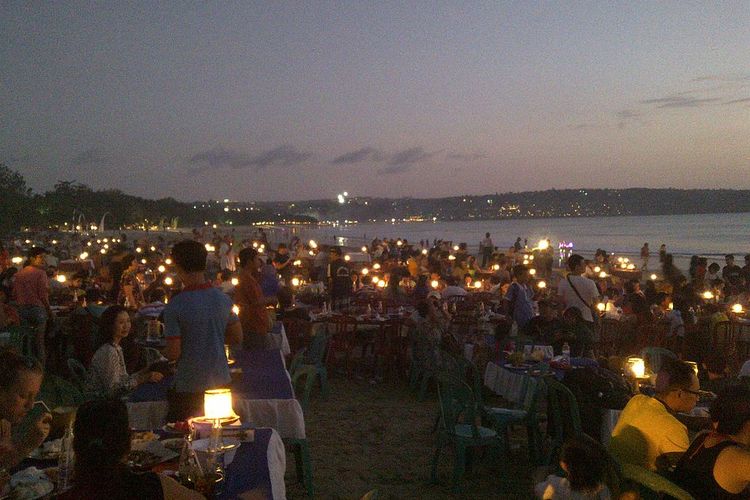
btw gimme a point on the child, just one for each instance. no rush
(585, 466)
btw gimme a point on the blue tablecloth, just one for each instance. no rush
(151, 391)
(249, 469)
(264, 375)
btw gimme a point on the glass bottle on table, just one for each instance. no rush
(66, 461)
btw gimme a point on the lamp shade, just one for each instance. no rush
(217, 404)
(637, 367)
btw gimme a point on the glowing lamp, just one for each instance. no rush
(217, 404)
(543, 244)
(364, 249)
(168, 262)
(153, 248)
(381, 284)
(139, 249)
(602, 275)
(542, 284)
(161, 268)
(313, 244)
(708, 295)
(347, 257)
(88, 243)
(106, 245)
(255, 244)
(235, 282)
(61, 278)
(671, 306)
(455, 248)
(98, 241)
(531, 257)
(637, 367)
(399, 243)
(597, 269)
(376, 266)
(496, 267)
(143, 261)
(532, 272)
(653, 277)
(295, 281)
(298, 263)
(623, 266)
(601, 307)
(737, 308)
(620, 260)
(451, 257)
(105, 240)
(477, 284)
(311, 253)
(424, 251)
(236, 309)
(694, 366)
(631, 267)
(54, 242)
(364, 271)
(84, 256)
(168, 281)
(103, 251)
(375, 279)
(434, 283)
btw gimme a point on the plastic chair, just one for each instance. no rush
(370, 495)
(652, 485)
(309, 364)
(56, 391)
(302, 462)
(79, 374)
(501, 419)
(655, 356)
(563, 417)
(458, 416)
(152, 355)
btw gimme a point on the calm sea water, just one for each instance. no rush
(711, 235)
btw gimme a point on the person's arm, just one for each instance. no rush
(172, 334)
(12, 453)
(732, 467)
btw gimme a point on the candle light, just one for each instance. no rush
(737, 308)
(631, 267)
(103, 251)
(168, 262)
(84, 256)
(455, 248)
(168, 281)
(217, 404)
(236, 309)
(435, 283)
(637, 367)
(139, 249)
(496, 267)
(235, 282)
(597, 269)
(381, 284)
(708, 295)
(153, 248)
(364, 271)
(601, 307)
(313, 244)
(653, 277)
(532, 271)
(61, 278)
(477, 284)
(161, 268)
(347, 257)
(451, 257)
(602, 275)
(143, 261)
(295, 281)
(375, 279)
(376, 266)
(364, 249)
(424, 251)
(298, 263)
(542, 284)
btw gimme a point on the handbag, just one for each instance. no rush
(594, 312)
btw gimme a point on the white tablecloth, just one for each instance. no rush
(283, 415)
(279, 339)
(277, 466)
(505, 383)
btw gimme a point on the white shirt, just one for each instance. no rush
(587, 289)
(108, 373)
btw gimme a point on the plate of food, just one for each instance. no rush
(29, 484)
(138, 439)
(174, 444)
(50, 450)
(181, 427)
(150, 454)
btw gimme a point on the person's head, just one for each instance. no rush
(334, 253)
(576, 263)
(677, 385)
(249, 258)
(521, 273)
(129, 262)
(486, 235)
(282, 249)
(715, 364)
(632, 286)
(546, 310)
(584, 462)
(713, 268)
(101, 437)
(189, 256)
(747, 259)
(114, 324)
(422, 280)
(36, 257)
(20, 380)
(730, 413)
(729, 259)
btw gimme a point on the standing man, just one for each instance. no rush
(250, 299)
(644, 257)
(732, 275)
(339, 279)
(577, 290)
(197, 323)
(31, 292)
(283, 263)
(487, 248)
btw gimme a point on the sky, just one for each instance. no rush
(303, 100)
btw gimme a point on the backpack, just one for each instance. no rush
(597, 389)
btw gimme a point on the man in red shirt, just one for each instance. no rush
(249, 297)
(31, 292)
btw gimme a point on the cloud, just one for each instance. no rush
(466, 157)
(358, 156)
(91, 156)
(680, 101)
(738, 101)
(404, 160)
(722, 78)
(281, 156)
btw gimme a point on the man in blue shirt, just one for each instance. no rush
(197, 323)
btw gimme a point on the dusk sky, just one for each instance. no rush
(282, 101)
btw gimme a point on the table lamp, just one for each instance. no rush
(636, 366)
(217, 405)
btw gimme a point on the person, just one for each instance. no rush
(31, 293)
(283, 263)
(647, 426)
(731, 273)
(107, 371)
(576, 333)
(197, 323)
(453, 289)
(746, 272)
(131, 292)
(712, 276)
(226, 255)
(662, 252)
(20, 380)
(715, 377)
(635, 301)
(252, 304)
(422, 289)
(520, 297)
(101, 443)
(717, 464)
(339, 279)
(487, 248)
(584, 464)
(542, 328)
(644, 257)
(577, 290)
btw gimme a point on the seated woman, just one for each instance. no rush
(20, 380)
(108, 373)
(717, 464)
(101, 442)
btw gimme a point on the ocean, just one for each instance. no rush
(709, 235)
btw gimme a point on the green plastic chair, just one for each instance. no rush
(458, 416)
(309, 364)
(79, 374)
(302, 463)
(655, 356)
(56, 391)
(563, 417)
(652, 485)
(525, 413)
